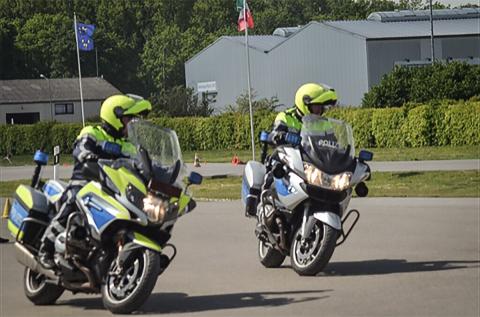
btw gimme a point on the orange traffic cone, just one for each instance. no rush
(235, 160)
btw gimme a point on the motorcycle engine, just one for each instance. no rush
(268, 216)
(60, 243)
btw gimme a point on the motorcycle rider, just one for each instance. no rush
(116, 112)
(310, 98)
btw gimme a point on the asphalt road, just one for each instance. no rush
(407, 257)
(212, 169)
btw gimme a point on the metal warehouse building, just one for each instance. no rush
(350, 56)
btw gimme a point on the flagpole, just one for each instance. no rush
(79, 69)
(96, 59)
(248, 77)
(431, 33)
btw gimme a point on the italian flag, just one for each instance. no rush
(242, 21)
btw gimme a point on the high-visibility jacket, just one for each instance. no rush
(286, 121)
(88, 145)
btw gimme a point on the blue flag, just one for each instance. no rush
(84, 34)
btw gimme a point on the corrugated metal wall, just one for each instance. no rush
(225, 63)
(382, 54)
(317, 54)
(462, 47)
(320, 53)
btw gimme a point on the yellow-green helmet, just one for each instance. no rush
(314, 94)
(117, 106)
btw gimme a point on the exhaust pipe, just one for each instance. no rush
(27, 259)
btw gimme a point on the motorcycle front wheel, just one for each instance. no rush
(126, 289)
(38, 290)
(310, 256)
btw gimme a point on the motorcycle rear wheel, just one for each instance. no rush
(126, 292)
(269, 257)
(38, 291)
(310, 256)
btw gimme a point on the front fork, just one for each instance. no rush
(329, 218)
(307, 222)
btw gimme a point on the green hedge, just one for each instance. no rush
(408, 126)
(459, 125)
(452, 80)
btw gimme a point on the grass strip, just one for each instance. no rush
(380, 154)
(382, 184)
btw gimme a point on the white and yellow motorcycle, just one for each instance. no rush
(114, 244)
(300, 194)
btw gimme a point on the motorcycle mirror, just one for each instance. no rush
(195, 178)
(365, 156)
(264, 136)
(361, 189)
(40, 157)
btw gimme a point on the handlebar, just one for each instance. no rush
(267, 138)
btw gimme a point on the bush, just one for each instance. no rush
(180, 101)
(15, 139)
(453, 80)
(361, 122)
(418, 128)
(459, 125)
(439, 123)
(386, 125)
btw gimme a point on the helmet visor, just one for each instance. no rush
(319, 108)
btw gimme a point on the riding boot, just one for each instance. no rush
(47, 248)
(45, 254)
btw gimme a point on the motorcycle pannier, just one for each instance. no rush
(252, 181)
(28, 203)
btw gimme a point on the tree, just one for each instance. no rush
(120, 36)
(180, 102)
(162, 58)
(262, 105)
(9, 61)
(47, 42)
(453, 80)
(143, 45)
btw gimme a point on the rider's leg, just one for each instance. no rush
(57, 226)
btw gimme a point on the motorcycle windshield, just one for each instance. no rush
(328, 143)
(162, 146)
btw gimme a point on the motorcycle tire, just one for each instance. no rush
(140, 276)
(269, 257)
(326, 238)
(38, 291)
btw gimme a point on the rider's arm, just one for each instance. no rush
(86, 149)
(280, 129)
(281, 135)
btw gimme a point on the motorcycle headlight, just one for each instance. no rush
(155, 208)
(333, 182)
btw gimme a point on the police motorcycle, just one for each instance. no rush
(300, 194)
(116, 243)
